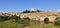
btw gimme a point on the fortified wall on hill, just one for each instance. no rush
(41, 16)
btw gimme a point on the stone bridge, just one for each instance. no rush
(39, 16)
(50, 18)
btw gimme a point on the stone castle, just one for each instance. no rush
(41, 16)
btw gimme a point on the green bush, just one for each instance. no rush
(18, 19)
(4, 18)
(24, 20)
(10, 20)
(57, 21)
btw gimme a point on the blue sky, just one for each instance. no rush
(21, 5)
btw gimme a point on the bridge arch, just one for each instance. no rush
(46, 20)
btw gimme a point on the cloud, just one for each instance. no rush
(52, 10)
(49, 10)
(58, 10)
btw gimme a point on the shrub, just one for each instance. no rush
(25, 20)
(18, 19)
(57, 21)
(4, 18)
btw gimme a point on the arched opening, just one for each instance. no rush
(46, 20)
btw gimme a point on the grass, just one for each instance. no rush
(9, 24)
(13, 24)
(42, 26)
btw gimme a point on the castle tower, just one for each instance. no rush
(32, 9)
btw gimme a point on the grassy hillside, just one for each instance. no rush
(9, 24)
(17, 22)
(12, 24)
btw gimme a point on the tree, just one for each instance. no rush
(1, 19)
(26, 11)
(17, 18)
(4, 18)
(59, 12)
(38, 10)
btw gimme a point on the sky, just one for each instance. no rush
(21, 5)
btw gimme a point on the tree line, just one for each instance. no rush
(27, 11)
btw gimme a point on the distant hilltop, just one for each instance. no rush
(32, 11)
